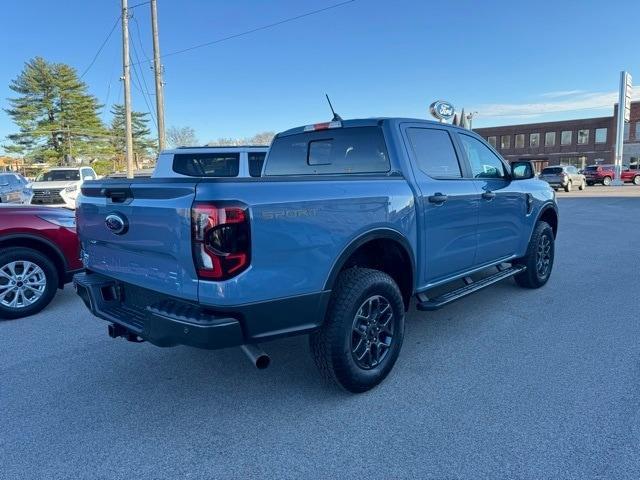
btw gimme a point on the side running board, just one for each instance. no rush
(426, 303)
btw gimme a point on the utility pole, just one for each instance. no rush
(157, 70)
(127, 88)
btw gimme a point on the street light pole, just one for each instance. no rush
(127, 89)
(624, 106)
(157, 68)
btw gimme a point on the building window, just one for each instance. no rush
(637, 131)
(505, 141)
(519, 140)
(601, 135)
(578, 162)
(492, 141)
(549, 139)
(534, 140)
(566, 137)
(626, 132)
(583, 137)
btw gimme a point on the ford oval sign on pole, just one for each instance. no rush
(442, 110)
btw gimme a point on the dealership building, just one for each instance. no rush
(579, 142)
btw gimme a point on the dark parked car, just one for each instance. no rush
(564, 176)
(38, 255)
(14, 188)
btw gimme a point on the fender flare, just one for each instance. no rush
(546, 207)
(45, 241)
(377, 234)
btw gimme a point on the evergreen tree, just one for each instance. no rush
(54, 113)
(143, 144)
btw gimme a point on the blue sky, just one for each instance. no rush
(508, 60)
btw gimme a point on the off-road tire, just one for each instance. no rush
(532, 277)
(583, 185)
(332, 345)
(51, 275)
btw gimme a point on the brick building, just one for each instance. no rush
(578, 142)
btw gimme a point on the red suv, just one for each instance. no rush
(38, 255)
(605, 174)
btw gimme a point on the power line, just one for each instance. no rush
(95, 57)
(135, 20)
(257, 29)
(145, 92)
(139, 5)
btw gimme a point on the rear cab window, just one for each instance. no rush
(217, 164)
(333, 151)
(552, 170)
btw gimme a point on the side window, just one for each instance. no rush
(207, 164)
(256, 161)
(484, 163)
(434, 152)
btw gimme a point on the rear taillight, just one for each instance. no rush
(220, 240)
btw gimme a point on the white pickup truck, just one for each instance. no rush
(60, 186)
(236, 161)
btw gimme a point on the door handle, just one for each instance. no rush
(437, 198)
(488, 195)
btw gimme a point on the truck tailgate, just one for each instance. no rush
(139, 231)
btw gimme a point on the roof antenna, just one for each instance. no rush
(336, 117)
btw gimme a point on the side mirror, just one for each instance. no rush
(522, 170)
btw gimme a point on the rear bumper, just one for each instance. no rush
(555, 182)
(167, 321)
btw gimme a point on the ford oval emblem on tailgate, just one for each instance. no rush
(117, 223)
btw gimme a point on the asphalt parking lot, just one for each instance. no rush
(506, 384)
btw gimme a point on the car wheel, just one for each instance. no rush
(606, 181)
(28, 282)
(567, 188)
(590, 184)
(636, 180)
(538, 259)
(360, 340)
(582, 186)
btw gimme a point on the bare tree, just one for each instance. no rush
(262, 138)
(181, 137)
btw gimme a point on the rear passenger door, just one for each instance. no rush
(447, 203)
(503, 207)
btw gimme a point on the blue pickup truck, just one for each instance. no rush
(350, 221)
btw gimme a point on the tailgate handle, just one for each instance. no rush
(117, 195)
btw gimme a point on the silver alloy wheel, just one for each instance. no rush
(22, 283)
(636, 180)
(607, 181)
(372, 332)
(543, 256)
